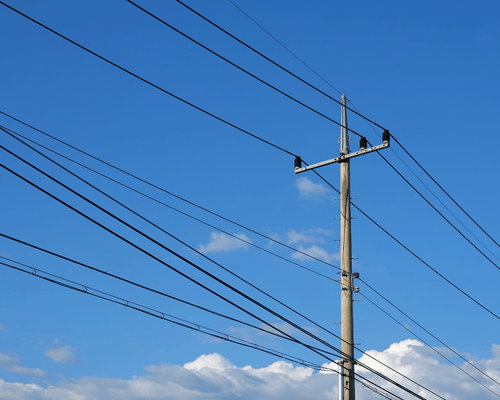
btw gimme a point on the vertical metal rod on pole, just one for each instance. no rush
(346, 261)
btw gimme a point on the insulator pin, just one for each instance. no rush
(386, 136)
(298, 162)
(363, 143)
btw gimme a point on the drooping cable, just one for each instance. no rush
(435, 350)
(239, 67)
(159, 188)
(149, 82)
(439, 212)
(188, 303)
(141, 286)
(436, 197)
(445, 192)
(287, 49)
(425, 330)
(273, 62)
(219, 265)
(242, 226)
(189, 325)
(410, 251)
(199, 269)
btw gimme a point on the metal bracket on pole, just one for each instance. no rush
(343, 157)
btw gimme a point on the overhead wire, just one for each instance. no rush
(141, 286)
(425, 330)
(410, 251)
(181, 99)
(439, 212)
(437, 198)
(286, 48)
(165, 91)
(273, 298)
(238, 67)
(10, 131)
(147, 81)
(356, 111)
(186, 324)
(445, 192)
(271, 61)
(127, 71)
(212, 291)
(321, 177)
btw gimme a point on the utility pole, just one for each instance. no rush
(347, 277)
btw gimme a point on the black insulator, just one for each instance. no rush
(298, 162)
(363, 143)
(356, 275)
(386, 136)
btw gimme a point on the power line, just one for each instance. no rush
(242, 226)
(437, 198)
(219, 265)
(439, 212)
(428, 345)
(184, 302)
(149, 82)
(184, 323)
(11, 132)
(286, 48)
(429, 333)
(273, 62)
(407, 152)
(445, 192)
(153, 186)
(410, 251)
(238, 67)
(195, 266)
(133, 283)
(86, 289)
(180, 241)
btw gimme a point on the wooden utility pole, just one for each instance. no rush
(346, 280)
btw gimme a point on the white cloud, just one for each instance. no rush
(314, 235)
(316, 252)
(12, 363)
(62, 354)
(309, 189)
(214, 377)
(222, 243)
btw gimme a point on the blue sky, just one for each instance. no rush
(428, 72)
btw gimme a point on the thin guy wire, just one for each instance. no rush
(296, 326)
(149, 82)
